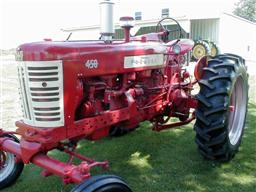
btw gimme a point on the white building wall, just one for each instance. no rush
(237, 36)
(88, 34)
(205, 29)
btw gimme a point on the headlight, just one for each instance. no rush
(176, 49)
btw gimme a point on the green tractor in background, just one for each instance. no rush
(204, 47)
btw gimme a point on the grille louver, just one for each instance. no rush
(41, 89)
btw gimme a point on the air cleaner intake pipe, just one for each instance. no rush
(106, 20)
(127, 23)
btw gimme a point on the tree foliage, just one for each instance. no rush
(246, 9)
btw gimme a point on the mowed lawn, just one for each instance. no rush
(160, 162)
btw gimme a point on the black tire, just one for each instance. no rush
(118, 131)
(217, 137)
(16, 170)
(200, 49)
(103, 183)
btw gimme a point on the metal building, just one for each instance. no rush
(231, 33)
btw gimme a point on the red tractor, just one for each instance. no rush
(73, 90)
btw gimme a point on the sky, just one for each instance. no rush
(33, 20)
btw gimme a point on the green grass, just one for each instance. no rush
(160, 162)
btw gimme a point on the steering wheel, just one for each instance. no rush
(163, 28)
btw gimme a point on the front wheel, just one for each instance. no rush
(103, 183)
(222, 107)
(10, 170)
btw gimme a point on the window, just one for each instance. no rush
(138, 16)
(165, 13)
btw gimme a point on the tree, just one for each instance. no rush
(246, 9)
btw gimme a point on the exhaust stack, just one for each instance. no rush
(106, 20)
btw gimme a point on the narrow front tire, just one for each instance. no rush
(103, 183)
(10, 170)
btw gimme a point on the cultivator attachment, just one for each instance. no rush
(12, 161)
(10, 147)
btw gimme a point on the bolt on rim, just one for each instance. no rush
(237, 111)
(7, 164)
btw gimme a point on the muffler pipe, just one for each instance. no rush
(107, 20)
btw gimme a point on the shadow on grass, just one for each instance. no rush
(161, 162)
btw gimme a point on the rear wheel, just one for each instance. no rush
(214, 50)
(10, 170)
(222, 107)
(118, 131)
(103, 183)
(200, 49)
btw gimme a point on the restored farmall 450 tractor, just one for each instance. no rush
(73, 90)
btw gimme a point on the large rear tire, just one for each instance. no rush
(10, 170)
(103, 183)
(222, 107)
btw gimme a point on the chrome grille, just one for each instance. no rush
(41, 90)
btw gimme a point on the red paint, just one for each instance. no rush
(231, 108)
(69, 172)
(109, 95)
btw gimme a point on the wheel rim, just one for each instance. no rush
(237, 111)
(199, 51)
(213, 51)
(7, 163)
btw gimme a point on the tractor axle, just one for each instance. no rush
(69, 172)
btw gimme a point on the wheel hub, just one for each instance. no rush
(2, 160)
(199, 51)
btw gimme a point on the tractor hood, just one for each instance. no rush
(77, 50)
